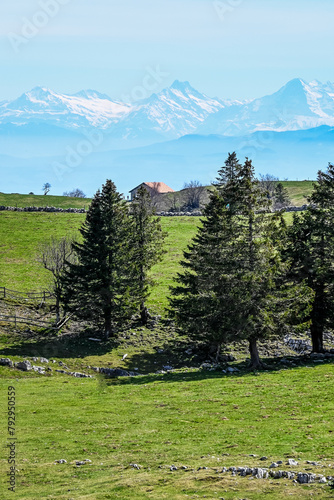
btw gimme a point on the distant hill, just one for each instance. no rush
(29, 200)
(298, 192)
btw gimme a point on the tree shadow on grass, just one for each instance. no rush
(195, 373)
(65, 346)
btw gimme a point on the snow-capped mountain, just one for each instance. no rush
(296, 106)
(84, 109)
(43, 123)
(175, 111)
(172, 113)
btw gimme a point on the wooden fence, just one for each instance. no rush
(16, 319)
(13, 294)
(40, 296)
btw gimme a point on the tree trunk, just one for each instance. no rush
(144, 314)
(107, 324)
(317, 338)
(254, 354)
(318, 316)
(57, 310)
(218, 353)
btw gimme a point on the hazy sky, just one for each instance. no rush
(228, 48)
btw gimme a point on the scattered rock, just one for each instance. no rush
(292, 462)
(6, 362)
(25, 366)
(230, 369)
(274, 465)
(168, 368)
(62, 461)
(135, 466)
(173, 467)
(80, 375)
(44, 360)
(114, 372)
(304, 478)
(264, 458)
(39, 369)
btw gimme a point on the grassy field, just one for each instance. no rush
(29, 200)
(188, 419)
(23, 233)
(298, 191)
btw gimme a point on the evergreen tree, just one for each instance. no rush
(281, 196)
(98, 286)
(310, 248)
(203, 302)
(147, 246)
(234, 284)
(229, 171)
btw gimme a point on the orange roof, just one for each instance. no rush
(160, 187)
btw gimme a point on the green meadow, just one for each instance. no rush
(131, 431)
(188, 420)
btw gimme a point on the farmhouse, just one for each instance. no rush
(154, 188)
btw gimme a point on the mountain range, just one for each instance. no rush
(289, 133)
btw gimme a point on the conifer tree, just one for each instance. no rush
(204, 300)
(281, 196)
(98, 286)
(229, 171)
(147, 246)
(234, 284)
(310, 248)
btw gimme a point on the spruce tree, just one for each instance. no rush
(310, 249)
(98, 287)
(147, 247)
(229, 171)
(203, 301)
(281, 196)
(234, 284)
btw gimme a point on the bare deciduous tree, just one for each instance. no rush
(46, 188)
(54, 256)
(75, 193)
(193, 192)
(268, 183)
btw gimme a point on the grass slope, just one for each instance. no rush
(187, 418)
(29, 200)
(298, 191)
(182, 419)
(21, 235)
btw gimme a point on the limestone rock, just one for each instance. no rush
(6, 362)
(25, 366)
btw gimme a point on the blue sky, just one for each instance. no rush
(228, 48)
